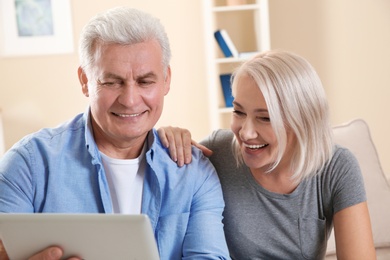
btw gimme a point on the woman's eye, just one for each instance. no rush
(238, 113)
(265, 119)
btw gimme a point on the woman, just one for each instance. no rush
(285, 183)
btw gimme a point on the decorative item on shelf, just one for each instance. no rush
(226, 88)
(235, 2)
(227, 46)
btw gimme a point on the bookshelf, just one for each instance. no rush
(248, 27)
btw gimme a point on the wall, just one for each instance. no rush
(43, 91)
(347, 42)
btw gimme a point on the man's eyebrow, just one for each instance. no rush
(147, 75)
(111, 76)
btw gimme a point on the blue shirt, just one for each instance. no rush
(60, 170)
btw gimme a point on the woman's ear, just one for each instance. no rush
(83, 81)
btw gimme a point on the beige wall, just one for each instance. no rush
(347, 41)
(43, 91)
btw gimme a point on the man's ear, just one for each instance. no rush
(167, 81)
(83, 81)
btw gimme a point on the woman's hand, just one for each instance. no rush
(178, 141)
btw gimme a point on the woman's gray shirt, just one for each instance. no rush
(260, 224)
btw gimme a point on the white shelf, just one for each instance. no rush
(248, 26)
(225, 110)
(229, 60)
(235, 8)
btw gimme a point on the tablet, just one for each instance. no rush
(89, 236)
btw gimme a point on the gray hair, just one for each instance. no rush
(121, 25)
(296, 101)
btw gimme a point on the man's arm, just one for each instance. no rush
(205, 235)
(16, 189)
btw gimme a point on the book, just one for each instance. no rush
(225, 43)
(227, 89)
(227, 46)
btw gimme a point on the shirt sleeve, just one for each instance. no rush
(347, 182)
(205, 236)
(16, 182)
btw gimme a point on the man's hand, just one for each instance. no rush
(3, 253)
(178, 141)
(50, 253)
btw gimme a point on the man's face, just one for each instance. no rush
(126, 87)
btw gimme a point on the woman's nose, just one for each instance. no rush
(248, 131)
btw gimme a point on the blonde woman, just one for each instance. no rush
(285, 183)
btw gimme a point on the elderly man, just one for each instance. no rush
(110, 159)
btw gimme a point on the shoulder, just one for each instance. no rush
(52, 136)
(343, 159)
(67, 128)
(34, 152)
(221, 143)
(222, 134)
(343, 180)
(342, 165)
(157, 148)
(219, 139)
(198, 173)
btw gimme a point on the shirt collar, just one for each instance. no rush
(153, 142)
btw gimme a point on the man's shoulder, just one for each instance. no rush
(160, 154)
(69, 129)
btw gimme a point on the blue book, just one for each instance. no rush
(226, 88)
(225, 43)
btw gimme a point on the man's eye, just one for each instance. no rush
(145, 82)
(110, 84)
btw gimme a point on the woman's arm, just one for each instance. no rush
(178, 141)
(353, 234)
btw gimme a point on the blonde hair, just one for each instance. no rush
(296, 101)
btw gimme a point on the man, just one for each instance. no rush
(110, 159)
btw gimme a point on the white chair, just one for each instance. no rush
(355, 135)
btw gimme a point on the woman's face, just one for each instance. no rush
(252, 127)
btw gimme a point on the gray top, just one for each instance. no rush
(260, 224)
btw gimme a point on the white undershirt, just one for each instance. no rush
(125, 179)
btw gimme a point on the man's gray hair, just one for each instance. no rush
(121, 25)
